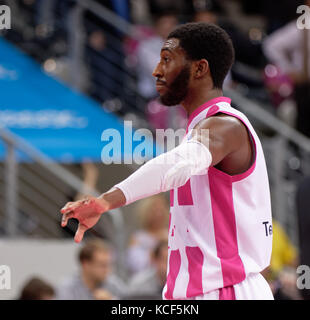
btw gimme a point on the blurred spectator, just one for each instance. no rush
(281, 273)
(153, 214)
(288, 49)
(246, 51)
(90, 178)
(249, 58)
(277, 13)
(104, 54)
(149, 54)
(90, 175)
(163, 117)
(142, 10)
(284, 252)
(151, 281)
(303, 205)
(95, 279)
(37, 289)
(105, 64)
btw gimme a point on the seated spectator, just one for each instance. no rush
(151, 281)
(153, 215)
(247, 52)
(37, 289)
(148, 54)
(281, 274)
(95, 280)
(288, 49)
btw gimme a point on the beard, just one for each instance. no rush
(177, 90)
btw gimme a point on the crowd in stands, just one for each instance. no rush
(116, 64)
(96, 279)
(272, 64)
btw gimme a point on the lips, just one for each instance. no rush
(160, 85)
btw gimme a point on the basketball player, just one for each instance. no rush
(220, 229)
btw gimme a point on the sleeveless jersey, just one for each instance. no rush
(220, 225)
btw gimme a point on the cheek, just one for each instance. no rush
(170, 70)
(170, 77)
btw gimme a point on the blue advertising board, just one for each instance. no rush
(62, 123)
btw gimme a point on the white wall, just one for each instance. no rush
(52, 260)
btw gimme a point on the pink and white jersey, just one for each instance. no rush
(220, 226)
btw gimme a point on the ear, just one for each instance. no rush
(201, 68)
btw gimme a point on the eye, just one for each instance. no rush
(166, 59)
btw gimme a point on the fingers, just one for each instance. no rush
(67, 208)
(65, 218)
(80, 233)
(71, 206)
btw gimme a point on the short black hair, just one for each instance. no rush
(202, 40)
(36, 289)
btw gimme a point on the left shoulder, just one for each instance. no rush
(223, 125)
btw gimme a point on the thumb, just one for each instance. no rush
(80, 233)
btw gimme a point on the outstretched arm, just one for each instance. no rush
(167, 171)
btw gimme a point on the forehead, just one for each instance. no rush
(101, 254)
(172, 45)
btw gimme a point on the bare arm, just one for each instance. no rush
(225, 136)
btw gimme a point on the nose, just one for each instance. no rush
(157, 72)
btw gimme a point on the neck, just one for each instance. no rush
(198, 97)
(90, 283)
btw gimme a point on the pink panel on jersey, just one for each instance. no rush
(227, 293)
(185, 194)
(195, 262)
(204, 106)
(171, 197)
(213, 110)
(174, 268)
(225, 227)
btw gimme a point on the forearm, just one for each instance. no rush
(115, 198)
(167, 171)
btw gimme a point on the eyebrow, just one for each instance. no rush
(166, 49)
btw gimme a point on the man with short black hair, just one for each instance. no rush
(220, 229)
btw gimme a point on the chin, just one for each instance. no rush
(168, 103)
(170, 100)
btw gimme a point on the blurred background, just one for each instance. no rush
(70, 69)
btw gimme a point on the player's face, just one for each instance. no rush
(172, 74)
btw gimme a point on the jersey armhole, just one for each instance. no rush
(242, 175)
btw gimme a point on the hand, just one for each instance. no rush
(87, 211)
